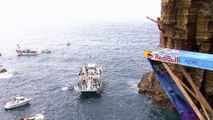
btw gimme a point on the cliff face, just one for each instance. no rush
(189, 26)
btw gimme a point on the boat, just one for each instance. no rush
(36, 117)
(25, 52)
(17, 101)
(90, 79)
(46, 51)
(68, 43)
(70, 87)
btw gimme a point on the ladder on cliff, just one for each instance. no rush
(176, 90)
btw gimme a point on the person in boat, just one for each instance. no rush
(159, 22)
(85, 69)
(81, 72)
(100, 71)
(79, 86)
(84, 84)
(70, 87)
(95, 83)
(19, 51)
(14, 98)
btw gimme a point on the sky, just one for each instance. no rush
(79, 9)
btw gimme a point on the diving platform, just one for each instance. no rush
(181, 57)
(174, 87)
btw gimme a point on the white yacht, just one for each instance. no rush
(26, 52)
(90, 79)
(36, 117)
(17, 101)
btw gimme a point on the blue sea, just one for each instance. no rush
(117, 46)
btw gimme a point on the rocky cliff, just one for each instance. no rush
(189, 26)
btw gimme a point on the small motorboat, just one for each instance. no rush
(70, 87)
(68, 43)
(90, 79)
(46, 51)
(17, 101)
(36, 117)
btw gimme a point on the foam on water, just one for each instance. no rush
(5, 75)
(64, 88)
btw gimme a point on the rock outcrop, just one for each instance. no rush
(152, 87)
(3, 70)
(189, 26)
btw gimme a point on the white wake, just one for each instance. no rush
(5, 75)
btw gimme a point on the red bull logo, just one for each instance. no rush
(166, 58)
(149, 55)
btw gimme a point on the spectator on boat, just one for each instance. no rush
(159, 22)
(92, 85)
(87, 71)
(100, 71)
(79, 86)
(81, 71)
(95, 83)
(84, 84)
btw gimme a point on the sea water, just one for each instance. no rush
(116, 46)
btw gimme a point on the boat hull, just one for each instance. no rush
(27, 54)
(97, 91)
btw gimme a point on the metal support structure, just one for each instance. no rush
(176, 79)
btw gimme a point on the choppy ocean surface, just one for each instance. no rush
(116, 46)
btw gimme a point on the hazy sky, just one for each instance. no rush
(79, 9)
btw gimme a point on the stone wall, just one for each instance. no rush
(189, 26)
